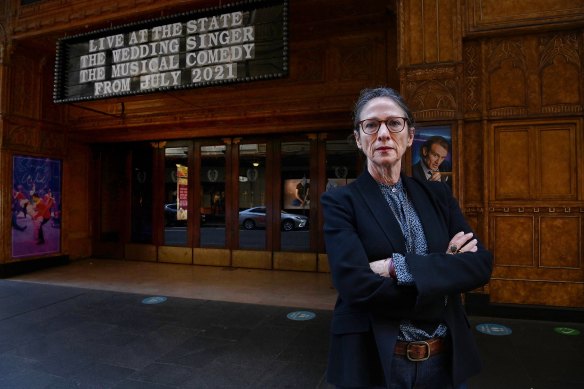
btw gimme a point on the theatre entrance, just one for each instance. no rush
(238, 202)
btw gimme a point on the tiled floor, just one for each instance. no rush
(86, 325)
(279, 288)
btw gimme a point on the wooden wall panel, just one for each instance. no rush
(472, 92)
(535, 161)
(473, 181)
(556, 162)
(24, 78)
(560, 55)
(512, 173)
(530, 74)
(514, 240)
(507, 70)
(552, 238)
(432, 31)
(494, 15)
(431, 93)
(76, 202)
(560, 242)
(559, 294)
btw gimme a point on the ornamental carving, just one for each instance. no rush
(21, 137)
(432, 99)
(559, 67)
(507, 68)
(310, 65)
(472, 83)
(3, 42)
(357, 62)
(52, 142)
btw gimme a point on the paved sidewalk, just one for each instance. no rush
(69, 337)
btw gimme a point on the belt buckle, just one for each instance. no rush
(418, 343)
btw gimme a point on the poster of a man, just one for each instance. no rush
(432, 155)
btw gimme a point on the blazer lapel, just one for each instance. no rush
(372, 197)
(434, 226)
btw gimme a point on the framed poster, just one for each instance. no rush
(297, 194)
(36, 206)
(432, 154)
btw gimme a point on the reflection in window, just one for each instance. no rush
(341, 159)
(295, 196)
(176, 190)
(213, 196)
(142, 194)
(253, 218)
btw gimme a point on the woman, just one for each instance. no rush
(400, 254)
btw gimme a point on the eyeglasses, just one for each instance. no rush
(393, 124)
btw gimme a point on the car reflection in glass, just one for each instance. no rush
(256, 218)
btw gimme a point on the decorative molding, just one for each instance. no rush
(41, 17)
(508, 111)
(538, 210)
(431, 100)
(507, 68)
(506, 49)
(3, 43)
(486, 16)
(560, 57)
(561, 108)
(431, 91)
(564, 45)
(472, 80)
(430, 73)
(52, 142)
(356, 63)
(18, 136)
(473, 211)
(310, 64)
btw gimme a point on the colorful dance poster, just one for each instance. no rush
(36, 206)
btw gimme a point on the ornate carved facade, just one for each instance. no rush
(506, 77)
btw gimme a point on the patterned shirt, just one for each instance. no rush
(413, 232)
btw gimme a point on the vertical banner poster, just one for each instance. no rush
(182, 190)
(36, 206)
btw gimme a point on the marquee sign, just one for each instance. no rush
(238, 42)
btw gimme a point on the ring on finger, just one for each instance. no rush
(453, 249)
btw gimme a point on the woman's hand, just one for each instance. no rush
(380, 267)
(462, 243)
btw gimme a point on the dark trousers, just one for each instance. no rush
(433, 373)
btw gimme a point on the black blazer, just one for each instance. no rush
(360, 228)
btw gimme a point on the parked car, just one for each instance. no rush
(256, 217)
(171, 220)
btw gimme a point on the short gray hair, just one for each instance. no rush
(369, 94)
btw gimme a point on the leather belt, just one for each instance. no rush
(421, 350)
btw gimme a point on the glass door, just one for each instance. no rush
(141, 203)
(176, 195)
(295, 202)
(213, 195)
(253, 213)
